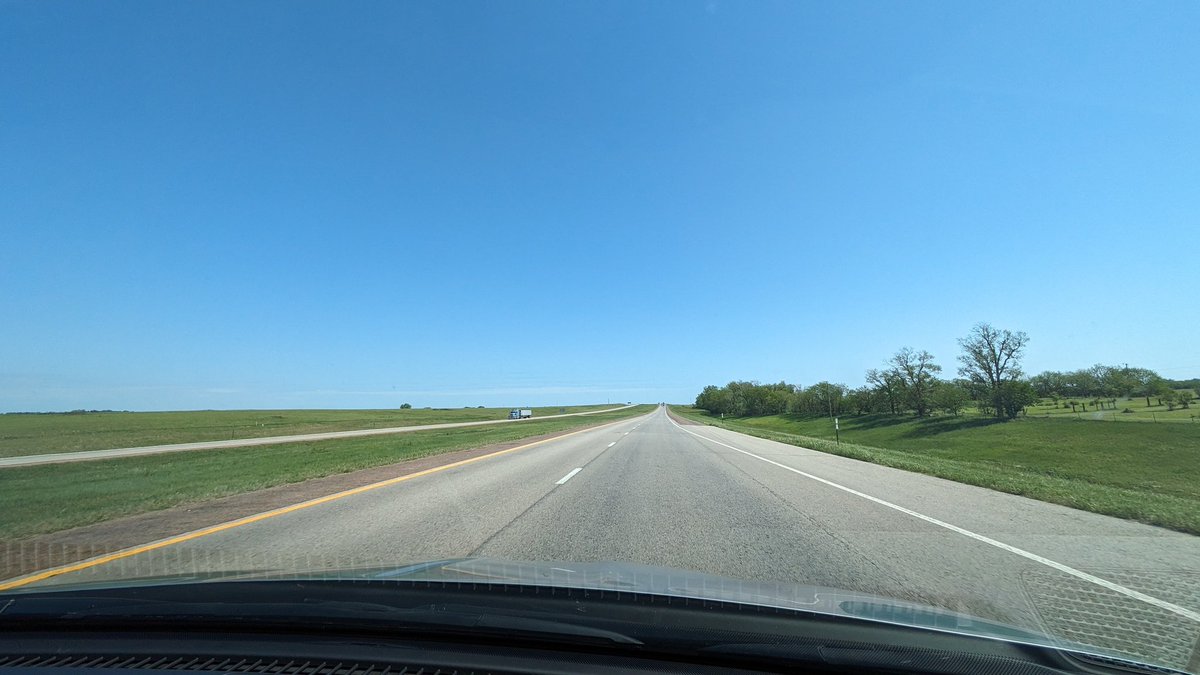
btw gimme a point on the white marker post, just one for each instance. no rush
(836, 431)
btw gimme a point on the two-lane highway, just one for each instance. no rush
(651, 491)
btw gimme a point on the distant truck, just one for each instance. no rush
(520, 414)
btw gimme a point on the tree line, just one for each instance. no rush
(1105, 384)
(989, 377)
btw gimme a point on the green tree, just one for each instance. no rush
(950, 397)
(1158, 388)
(889, 386)
(747, 399)
(862, 400)
(1122, 382)
(1050, 384)
(1081, 383)
(1142, 379)
(406, 406)
(917, 371)
(1013, 396)
(828, 397)
(991, 358)
(1171, 397)
(712, 399)
(1185, 397)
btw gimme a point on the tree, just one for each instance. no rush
(918, 372)
(1051, 384)
(1145, 379)
(1012, 396)
(709, 399)
(1081, 383)
(950, 397)
(888, 385)
(406, 406)
(862, 400)
(1120, 381)
(1171, 397)
(1159, 388)
(1185, 398)
(828, 397)
(1100, 382)
(747, 399)
(991, 358)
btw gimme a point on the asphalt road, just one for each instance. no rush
(92, 455)
(650, 491)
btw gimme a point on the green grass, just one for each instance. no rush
(49, 498)
(1139, 411)
(1144, 472)
(35, 434)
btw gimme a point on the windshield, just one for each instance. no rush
(862, 307)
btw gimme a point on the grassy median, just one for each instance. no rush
(39, 433)
(42, 499)
(1144, 472)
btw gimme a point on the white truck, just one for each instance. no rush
(520, 414)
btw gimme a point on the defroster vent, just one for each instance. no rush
(215, 665)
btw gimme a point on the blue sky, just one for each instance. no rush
(231, 204)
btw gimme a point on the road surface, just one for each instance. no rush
(650, 491)
(92, 455)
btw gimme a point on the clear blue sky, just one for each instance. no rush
(249, 204)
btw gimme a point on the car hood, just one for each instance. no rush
(629, 578)
(676, 583)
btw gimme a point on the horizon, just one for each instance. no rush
(422, 406)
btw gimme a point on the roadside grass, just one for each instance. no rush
(49, 498)
(1138, 409)
(1144, 472)
(35, 434)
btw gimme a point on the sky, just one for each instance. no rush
(358, 205)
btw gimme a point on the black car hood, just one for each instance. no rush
(675, 583)
(645, 581)
(623, 577)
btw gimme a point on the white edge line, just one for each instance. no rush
(612, 444)
(1104, 583)
(569, 476)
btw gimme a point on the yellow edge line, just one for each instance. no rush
(204, 532)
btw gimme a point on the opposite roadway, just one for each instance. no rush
(654, 492)
(113, 453)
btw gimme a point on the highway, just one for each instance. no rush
(652, 491)
(114, 453)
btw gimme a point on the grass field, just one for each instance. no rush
(1145, 472)
(1139, 411)
(35, 434)
(49, 498)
